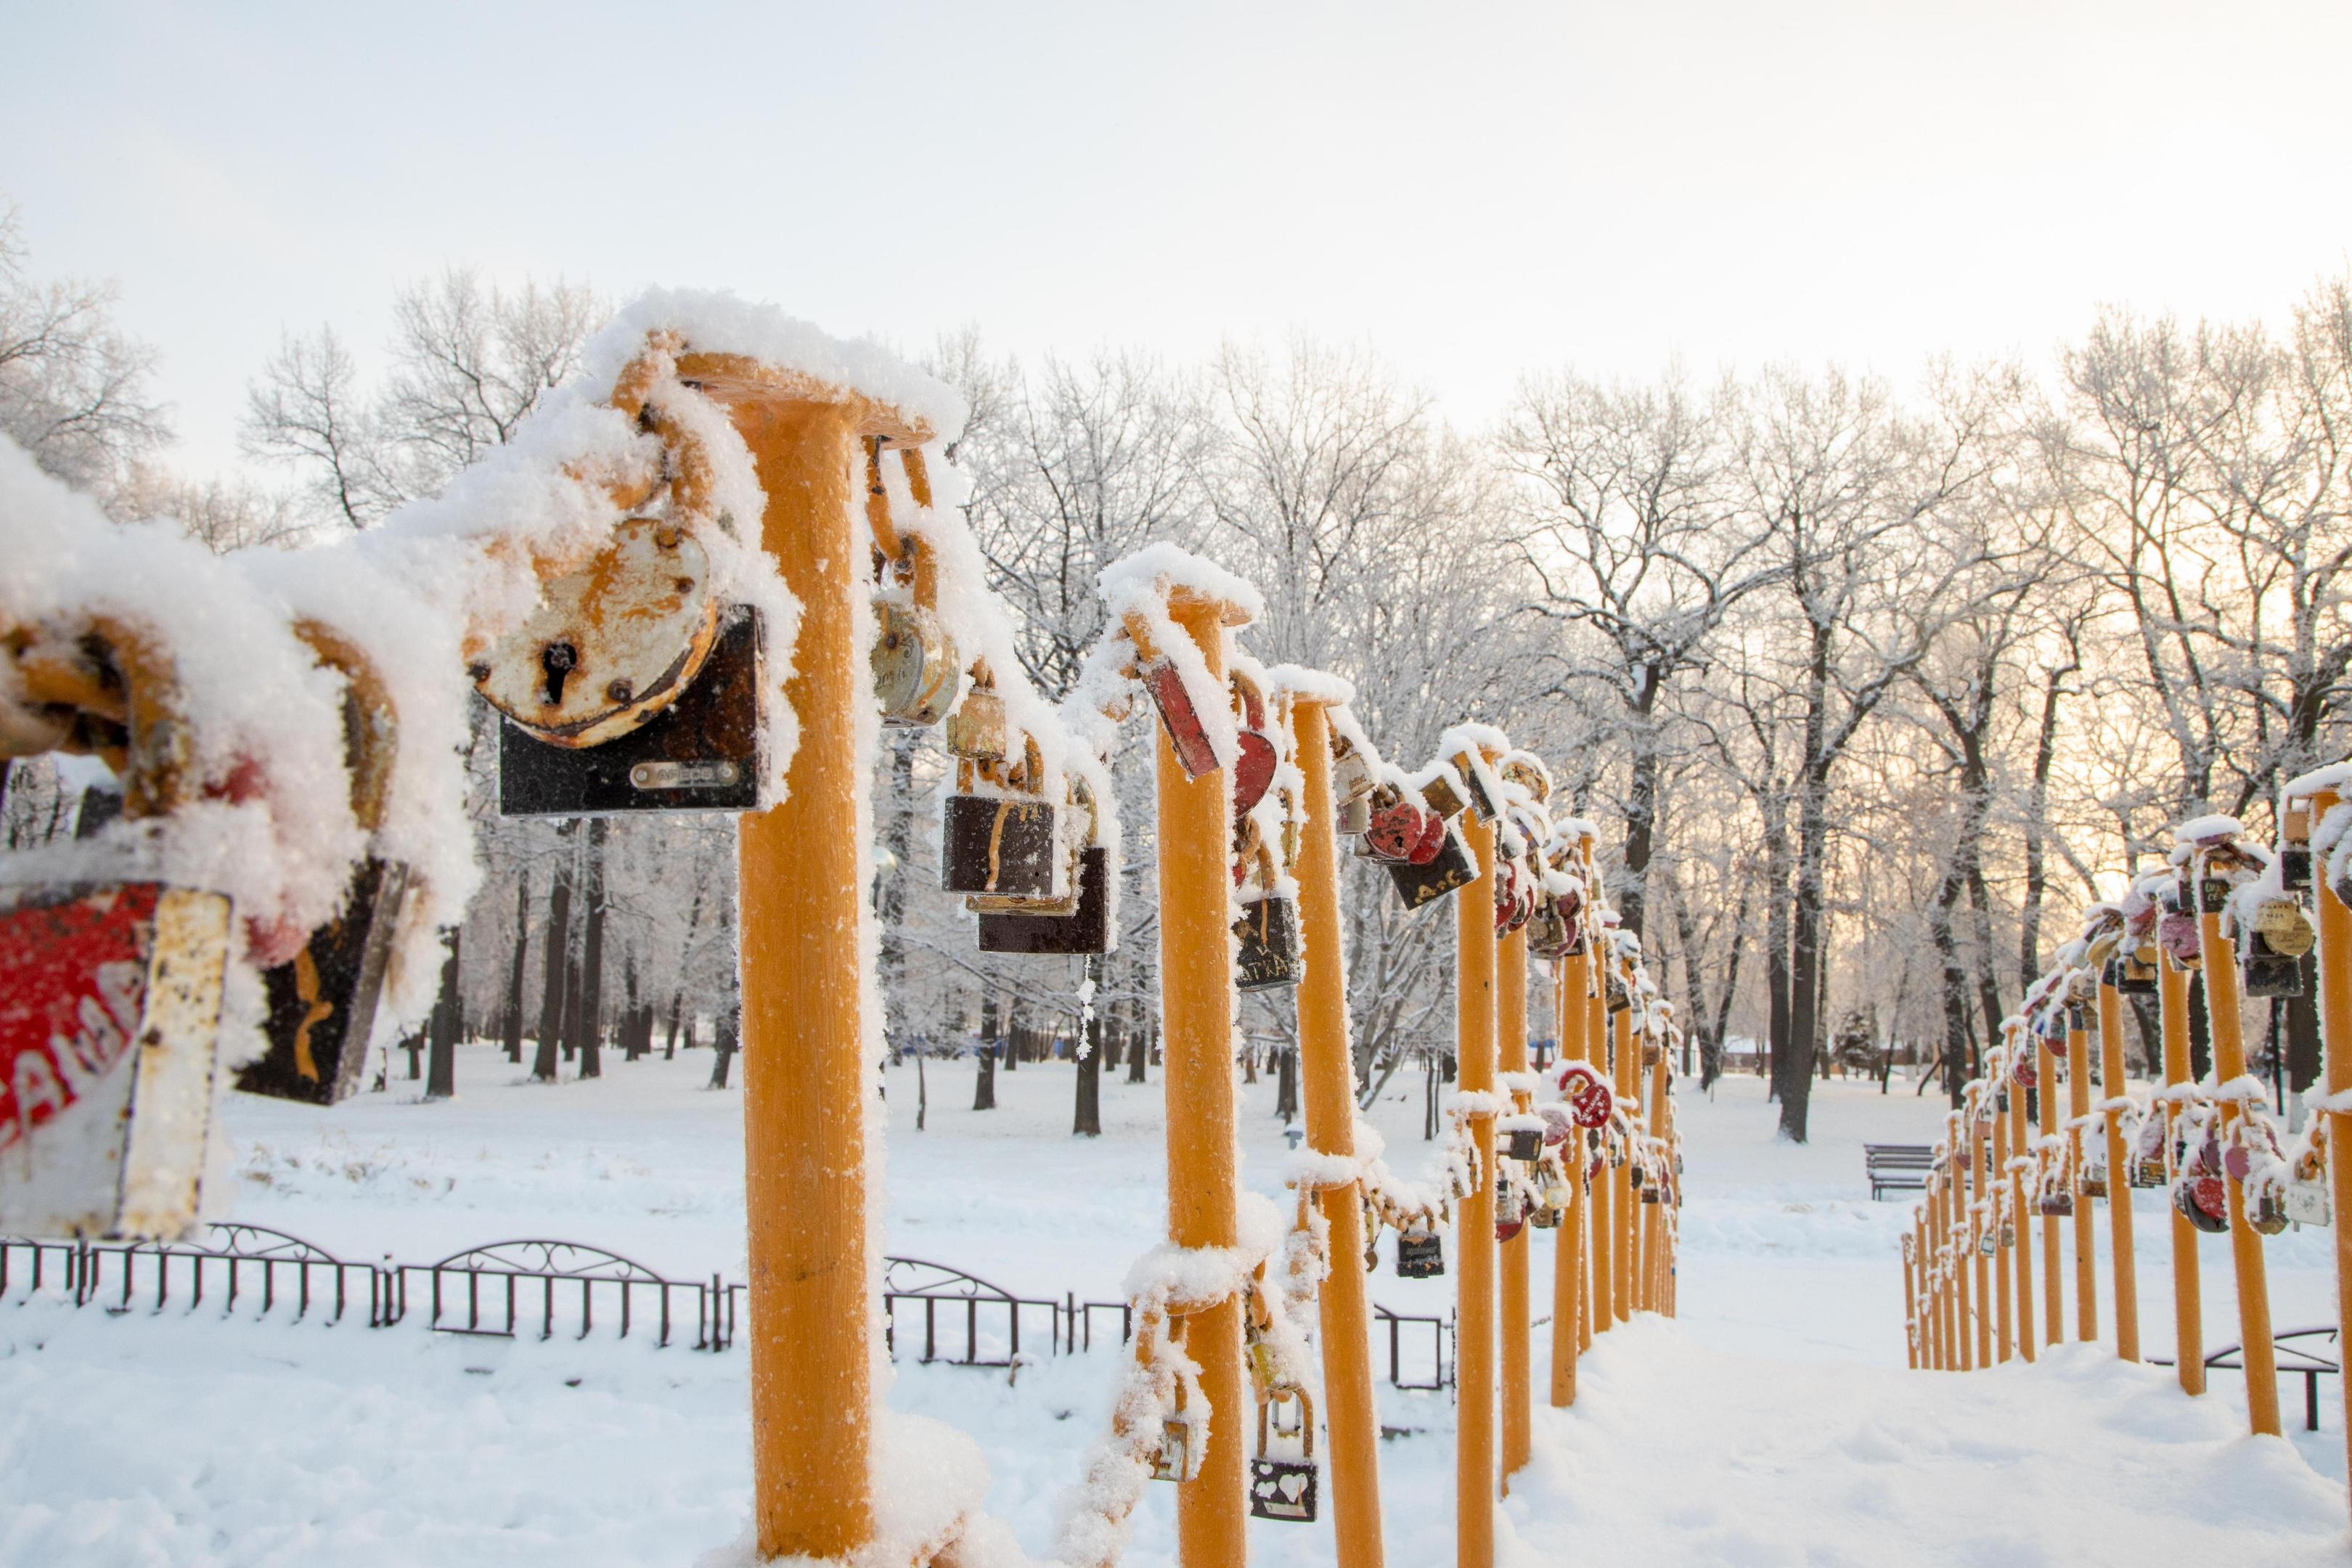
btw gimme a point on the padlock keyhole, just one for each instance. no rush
(558, 659)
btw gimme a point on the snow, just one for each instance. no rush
(1773, 1421)
(2201, 829)
(2303, 786)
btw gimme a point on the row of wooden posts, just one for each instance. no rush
(2007, 1156)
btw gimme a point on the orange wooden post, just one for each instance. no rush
(1981, 1218)
(1910, 1304)
(1196, 1003)
(1956, 1217)
(806, 1072)
(2119, 1189)
(1567, 1303)
(1511, 1037)
(2045, 1096)
(1654, 1215)
(1350, 1414)
(2022, 1245)
(1931, 1352)
(1474, 1222)
(1946, 1299)
(1620, 1184)
(2336, 1029)
(1997, 1176)
(1600, 1308)
(2187, 1292)
(2258, 1354)
(2078, 1103)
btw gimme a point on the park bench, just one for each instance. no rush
(1898, 1167)
(2295, 1351)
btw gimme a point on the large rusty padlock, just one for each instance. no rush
(914, 664)
(109, 1008)
(1001, 841)
(1267, 932)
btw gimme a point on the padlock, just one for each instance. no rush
(1472, 768)
(1523, 1143)
(610, 646)
(1986, 1244)
(2056, 1203)
(1179, 716)
(1524, 769)
(1351, 774)
(2307, 1200)
(1448, 867)
(1255, 762)
(1283, 1489)
(1398, 824)
(321, 1001)
(1354, 818)
(2178, 935)
(698, 752)
(2266, 1210)
(1080, 924)
(2213, 894)
(2204, 1201)
(1001, 846)
(2266, 975)
(1184, 1444)
(110, 1012)
(1547, 935)
(1440, 794)
(2092, 1182)
(976, 729)
(2136, 970)
(1510, 1214)
(915, 666)
(1588, 1094)
(1267, 932)
(1420, 1254)
(2295, 845)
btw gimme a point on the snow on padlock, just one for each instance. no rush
(1420, 1255)
(1283, 1489)
(2307, 1200)
(1590, 1099)
(109, 1008)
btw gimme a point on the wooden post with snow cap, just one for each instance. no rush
(2188, 1290)
(1997, 1176)
(1474, 1222)
(1196, 1003)
(806, 1067)
(1599, 1226)
(2078, 1129)
(1350, 1417)
(1621, 1179)
(2018, 1163)
(1568, 1243)
(2045, 1097)
(1956, 1214)
(2323, 791)
(1979, 1098)
(2119, 1188)
(2256, 1351)
(1511, 1050)
(1654, 1214)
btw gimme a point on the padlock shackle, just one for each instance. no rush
(1285, 1393)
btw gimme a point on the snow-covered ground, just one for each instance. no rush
(1774, 1421)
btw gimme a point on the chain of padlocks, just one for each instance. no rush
(635, 684)
(2240, 915)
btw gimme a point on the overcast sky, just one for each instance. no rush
(1473, 188)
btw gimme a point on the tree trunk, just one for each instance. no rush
(922, 1090)
(1777, 940)
(2037, 808)
(983, 1088)
(441, 1080)
(1641, 804)
(555, 950)
(591, 979)
(514, 969)
(1286, 1084)
(1804, 951)
(723, 1047)
(1138, 1043)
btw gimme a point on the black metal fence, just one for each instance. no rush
(540, 1288)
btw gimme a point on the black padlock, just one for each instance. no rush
(322, 1001)
(2294, 868)
(699, 754)
(1524, 1143)
(997, 846)
(1450, 868)
(1082, 927)
(2272, 974)
(1285, 1490)
(1267, 930)
(2136, 973)
(1420, 1255)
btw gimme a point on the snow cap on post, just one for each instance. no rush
(2199, 831)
